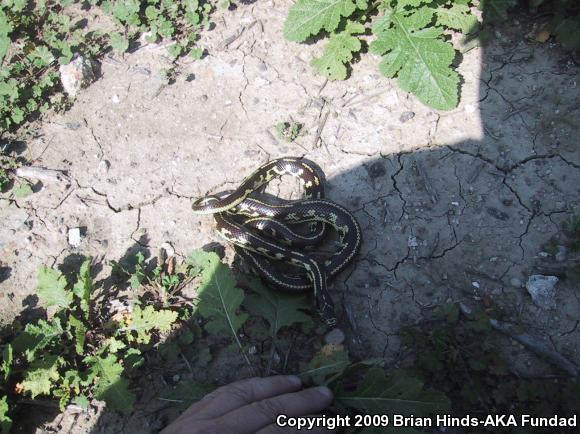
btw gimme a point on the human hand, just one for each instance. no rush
(252, 406)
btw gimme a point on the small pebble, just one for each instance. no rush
(103, 167)
(335, 337)
(74, 237)
(475, 284)
(562, 254)
(406, 116)
(515, 282)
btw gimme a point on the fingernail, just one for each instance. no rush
(325, 391)
(294, 380)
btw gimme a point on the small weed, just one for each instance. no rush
(288, 131)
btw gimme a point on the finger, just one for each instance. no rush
(284, 428)
(241, 393)
(257, 415)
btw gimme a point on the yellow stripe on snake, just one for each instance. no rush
(263, 232)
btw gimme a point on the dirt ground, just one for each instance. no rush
(455, 205)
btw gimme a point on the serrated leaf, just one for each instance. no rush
(40, 376)
(329, 361)
(219, 299)
(339, 52)
(5, 421)
(37, 337)
(278, 309)
(187, 392)
(308, 17)
(398, 394)
(457, 17)
(143, 322)
(82, 401)
(418, 56)
(496, 10)
(83, 288)
(119, 42)
(51, 288)
(80, 331)
(7, 358)
(110, 386)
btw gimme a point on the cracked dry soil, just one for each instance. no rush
(454, 205)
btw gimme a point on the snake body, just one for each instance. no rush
(264, 233)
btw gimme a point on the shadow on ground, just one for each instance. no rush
(451, 222)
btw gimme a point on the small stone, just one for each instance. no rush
(543, 290)
(252, 350)
(475, 284)
(412, 242)
(515, 282)
(115, 98)
(543, 254)
(335, 337)
(103, 167)
(74, 237)
(470, 108)
(168, 249)
(78, 74)
(406, 116)
(176, 378)
(562, 254)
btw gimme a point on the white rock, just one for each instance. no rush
(412, 242)
(168, 249)
(115, 98)
(335, 336)
(515, 282)
(74, 237)
(543, 290)
(475, 284)
(562, 254)
(77, 74)
(103, 167)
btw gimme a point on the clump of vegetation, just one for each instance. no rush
(92, 344)
(460, 356)
(411, 36)
(37, 37)
(288, 131)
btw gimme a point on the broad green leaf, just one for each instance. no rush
(495, 10)
(37, 337)
(110, 386)
(80, 331)
(399, 394)
(418, 56)
(51, 288)
(133, 359)
(458, 17)
(22, 190)
(187, 392)
(83, 288)
(278, 309)
(144, 321)
(326, 363)
(219, 299)
(119, 42)
(5, 421)
(308, 17)
(339, 52)
(40, 376)
(82, 401)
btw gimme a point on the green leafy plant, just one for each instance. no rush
(37, 37)
(411, 36)
(462, 358)
(288, 131)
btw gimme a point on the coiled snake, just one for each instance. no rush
(264, 232)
